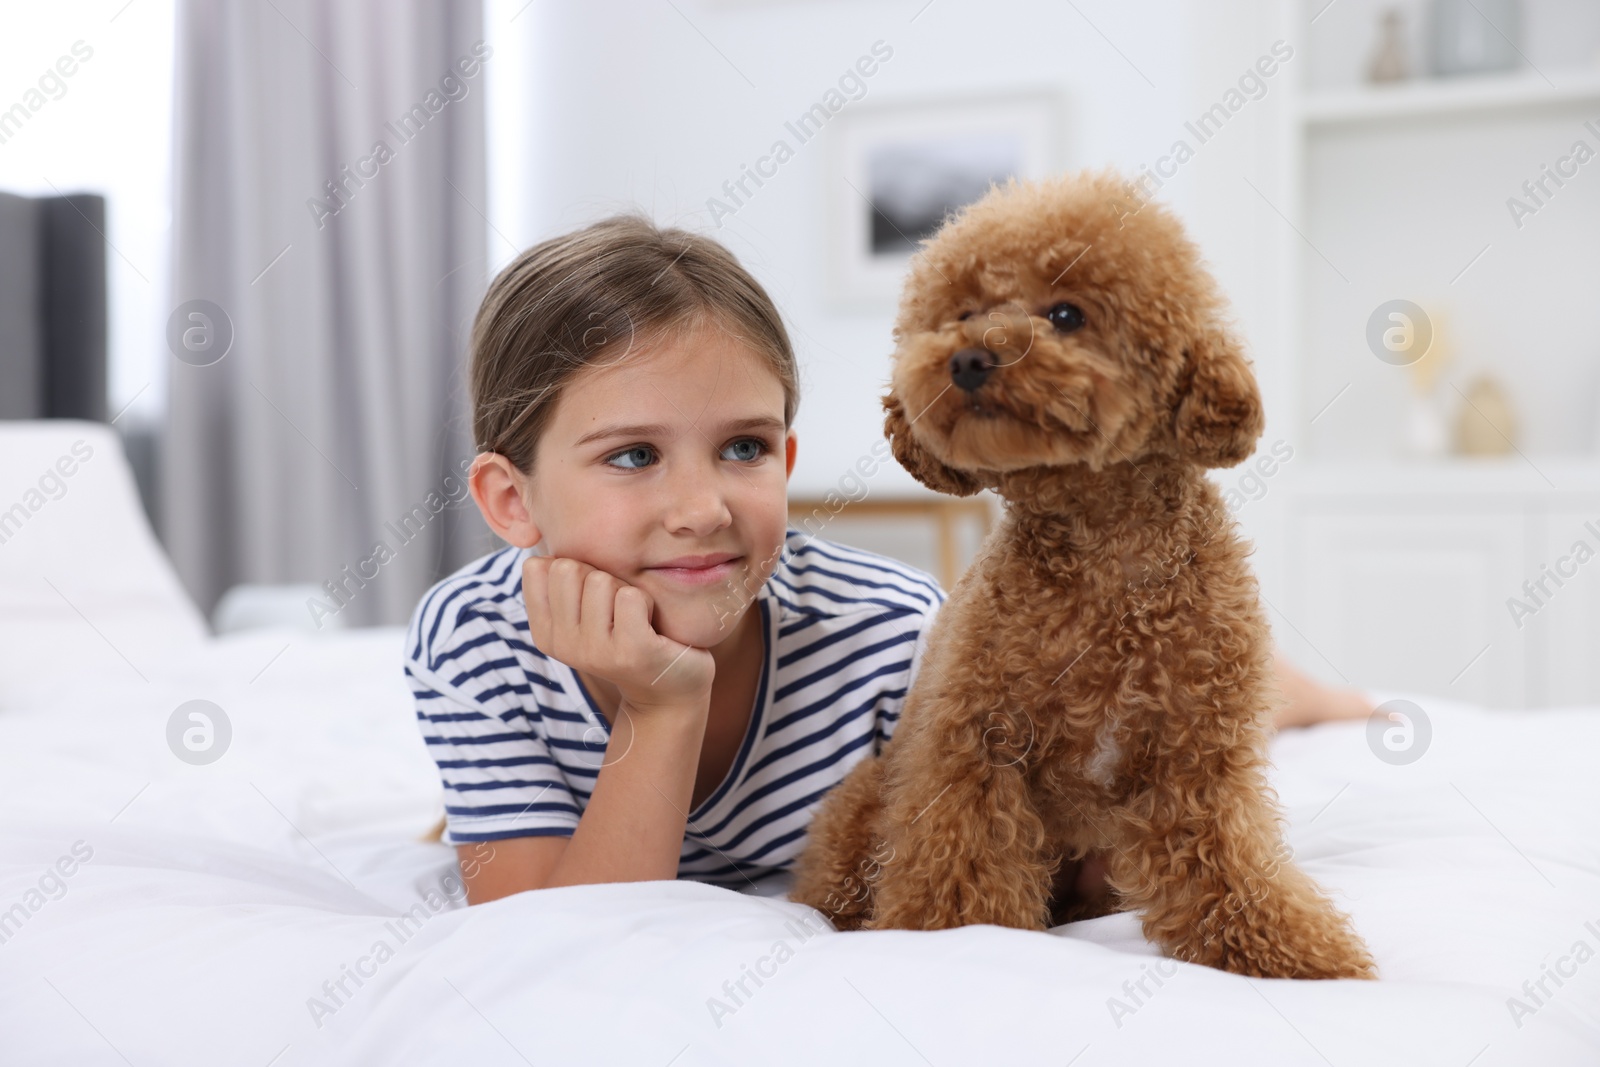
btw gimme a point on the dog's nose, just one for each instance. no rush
(970, 367)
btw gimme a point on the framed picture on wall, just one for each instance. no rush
(896, 170)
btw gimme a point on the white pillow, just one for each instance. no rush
(85, 588)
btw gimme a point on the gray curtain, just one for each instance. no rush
(329, 189)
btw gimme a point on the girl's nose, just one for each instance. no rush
(698, 506)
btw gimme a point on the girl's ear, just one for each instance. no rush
(499, 490)
(788, 457)
(916, 460)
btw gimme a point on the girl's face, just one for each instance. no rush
(677, 451)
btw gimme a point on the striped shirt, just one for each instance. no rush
(519, 740)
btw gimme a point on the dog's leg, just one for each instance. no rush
(966, 843)
(834, 873)
(1210, 877)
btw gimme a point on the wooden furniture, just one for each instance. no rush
(944, 514)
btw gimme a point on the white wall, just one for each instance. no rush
(600, 106)
(616, 104)
(106, 130)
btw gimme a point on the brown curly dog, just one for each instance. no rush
(1096, 691)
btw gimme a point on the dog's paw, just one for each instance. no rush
(1343, 958)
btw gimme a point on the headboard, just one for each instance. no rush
(53, 307)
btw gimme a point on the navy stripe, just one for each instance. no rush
(778, 842)
(501, 690)
(479, 608)
(791, 607)
(804, 624)
(800, 744)
(840, 635)
(780, 813)
(484, 668)
(510, 761)
(815, 675)
(433, 594)
(490, 635)
(788, 809)
(793, 776)
(505, 835)
(817, 590)
(523, 687)
(884, 566)
(509, 783)
(890, 669)
(594, 749)
(854, 580)
(733, 871)
(738, 878)
(549, 683)
(509, 809)
(481, 739)
(454, 716)
(506, 718)
(465, 587)
(806, 681)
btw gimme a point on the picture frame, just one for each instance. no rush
(894, 171)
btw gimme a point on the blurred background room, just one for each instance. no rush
(250, 236)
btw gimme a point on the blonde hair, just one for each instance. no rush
(565, 302)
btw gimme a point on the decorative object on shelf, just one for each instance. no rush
(1485, 424)
(1427, 431)
(1475, 36)
(1389, 62)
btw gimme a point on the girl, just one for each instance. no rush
(669, 688)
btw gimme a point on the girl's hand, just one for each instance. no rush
(594, 622)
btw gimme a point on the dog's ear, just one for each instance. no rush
(1218, 415)
(914, 458)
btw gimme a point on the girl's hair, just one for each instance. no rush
(561, 304)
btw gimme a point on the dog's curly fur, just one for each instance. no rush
(1098, 685)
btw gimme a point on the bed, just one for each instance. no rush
(277, 906)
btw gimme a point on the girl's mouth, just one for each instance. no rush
(700, 575)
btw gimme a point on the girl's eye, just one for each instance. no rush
(753, 447)
(745, 450)
(636, 451)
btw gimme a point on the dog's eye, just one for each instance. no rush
(1065, 317)
(964, 316)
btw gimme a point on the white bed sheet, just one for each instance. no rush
(220, 899)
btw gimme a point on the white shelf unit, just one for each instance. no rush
(1466, 96)
(1395, 573)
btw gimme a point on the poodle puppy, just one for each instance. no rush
(1096, 692)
